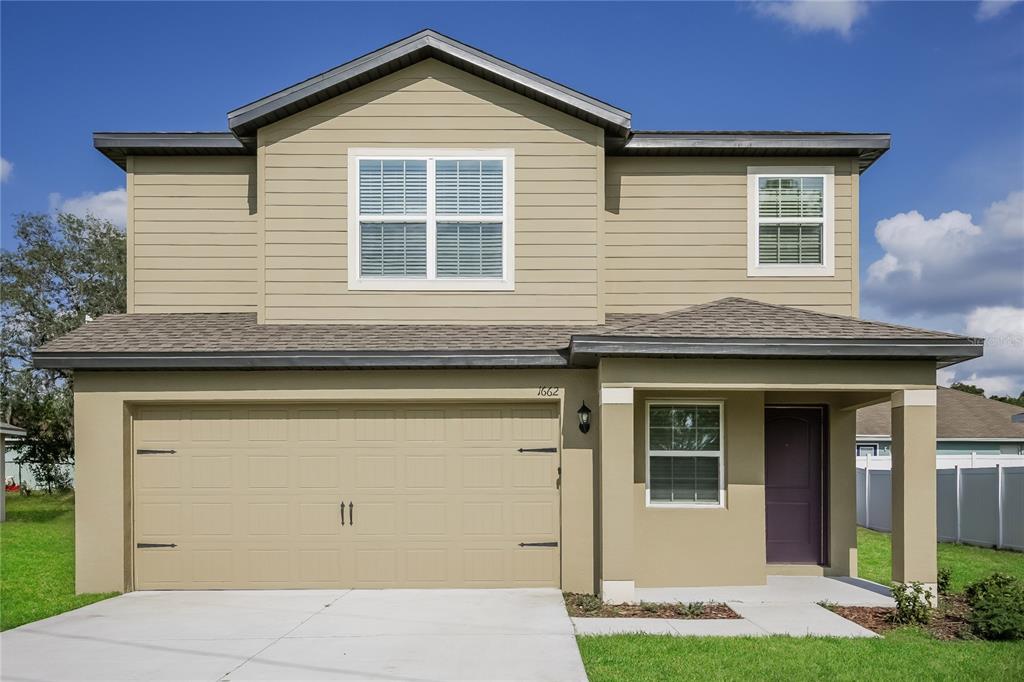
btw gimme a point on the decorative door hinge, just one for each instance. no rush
(538, 544)
(144, 451)
(538, 450)
(150, 545)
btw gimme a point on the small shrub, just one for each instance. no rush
(913, 603)
(587, 603)
(945, 579)
(693, 609)
(997, 607)
(650, 606)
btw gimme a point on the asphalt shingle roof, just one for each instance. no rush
(239, 332)
(958, 414)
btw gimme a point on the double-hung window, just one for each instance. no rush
(430, 219)
(790, 221)
(685, 454)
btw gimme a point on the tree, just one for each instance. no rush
(63, 270)
(1018, 401)
(968, 388)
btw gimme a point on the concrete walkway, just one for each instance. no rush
(785, 606)
(302, 635)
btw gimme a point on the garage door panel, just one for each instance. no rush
(441, 496)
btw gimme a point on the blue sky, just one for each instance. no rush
(946, 79)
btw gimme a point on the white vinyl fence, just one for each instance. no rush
(983, 506)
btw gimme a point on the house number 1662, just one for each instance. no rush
(547, 391)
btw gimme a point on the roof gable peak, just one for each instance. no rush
(421, 45)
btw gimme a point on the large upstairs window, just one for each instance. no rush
(430, 219)
(790, 221)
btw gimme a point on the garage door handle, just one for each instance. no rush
(351, 519)
(342, 507)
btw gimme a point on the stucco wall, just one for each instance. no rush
(706, 546)
(104, 403)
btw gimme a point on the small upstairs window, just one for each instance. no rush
(431, 220)
(790, 223)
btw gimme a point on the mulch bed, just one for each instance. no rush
(590, 606)
(948, 621)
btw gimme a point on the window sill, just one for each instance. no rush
(790, 271)
(371, 284)
(684, 505)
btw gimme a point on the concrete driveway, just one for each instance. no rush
(302, 634)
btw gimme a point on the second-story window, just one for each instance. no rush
(790, 221)
(432, 220)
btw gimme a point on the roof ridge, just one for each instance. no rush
(836, 316)
(672, 313)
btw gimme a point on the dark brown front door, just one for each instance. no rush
(793, 484)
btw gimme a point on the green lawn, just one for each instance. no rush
(906, 654)
(968, 563)
(37, 559)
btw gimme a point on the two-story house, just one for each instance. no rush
(431, 319)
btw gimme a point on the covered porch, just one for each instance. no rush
(727, 472)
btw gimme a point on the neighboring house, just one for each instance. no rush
(972, 430)
(7, 433)
(429, 319)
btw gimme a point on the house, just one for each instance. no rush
(429, 319)
(7, 432)
(971, 430)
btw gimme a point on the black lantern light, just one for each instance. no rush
(584, 415)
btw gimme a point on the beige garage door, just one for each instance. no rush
(433, 496)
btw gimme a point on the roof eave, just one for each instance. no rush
(299, 360)
(118, 146)
(867, 147)
(247, 119)
(585, 350)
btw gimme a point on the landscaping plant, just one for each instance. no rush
(997, 607)
(913, 603)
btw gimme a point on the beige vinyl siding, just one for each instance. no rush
(676, 235)
(431, 105)
(192, 232)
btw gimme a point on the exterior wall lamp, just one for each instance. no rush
(584, 414)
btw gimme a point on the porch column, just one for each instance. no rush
(616, 424)
(914, 531)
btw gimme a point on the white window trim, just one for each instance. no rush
(720, 455)
(431, 282)
(827, 268)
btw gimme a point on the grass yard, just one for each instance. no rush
(906, 654)
(37, 559)
(967, 563)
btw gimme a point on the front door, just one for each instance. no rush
(794, 479)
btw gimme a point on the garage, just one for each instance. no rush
(367, 495)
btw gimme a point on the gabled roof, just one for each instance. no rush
(959, 416)
(620, 139)
(732, 327)
(422, 45)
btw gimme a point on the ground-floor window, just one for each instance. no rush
(685, 453)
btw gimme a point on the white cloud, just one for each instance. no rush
(990, 9)
(1001, 370)
(111, 205)
(955, 274)
(6, 168)
(949, 264)
(815, 15)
